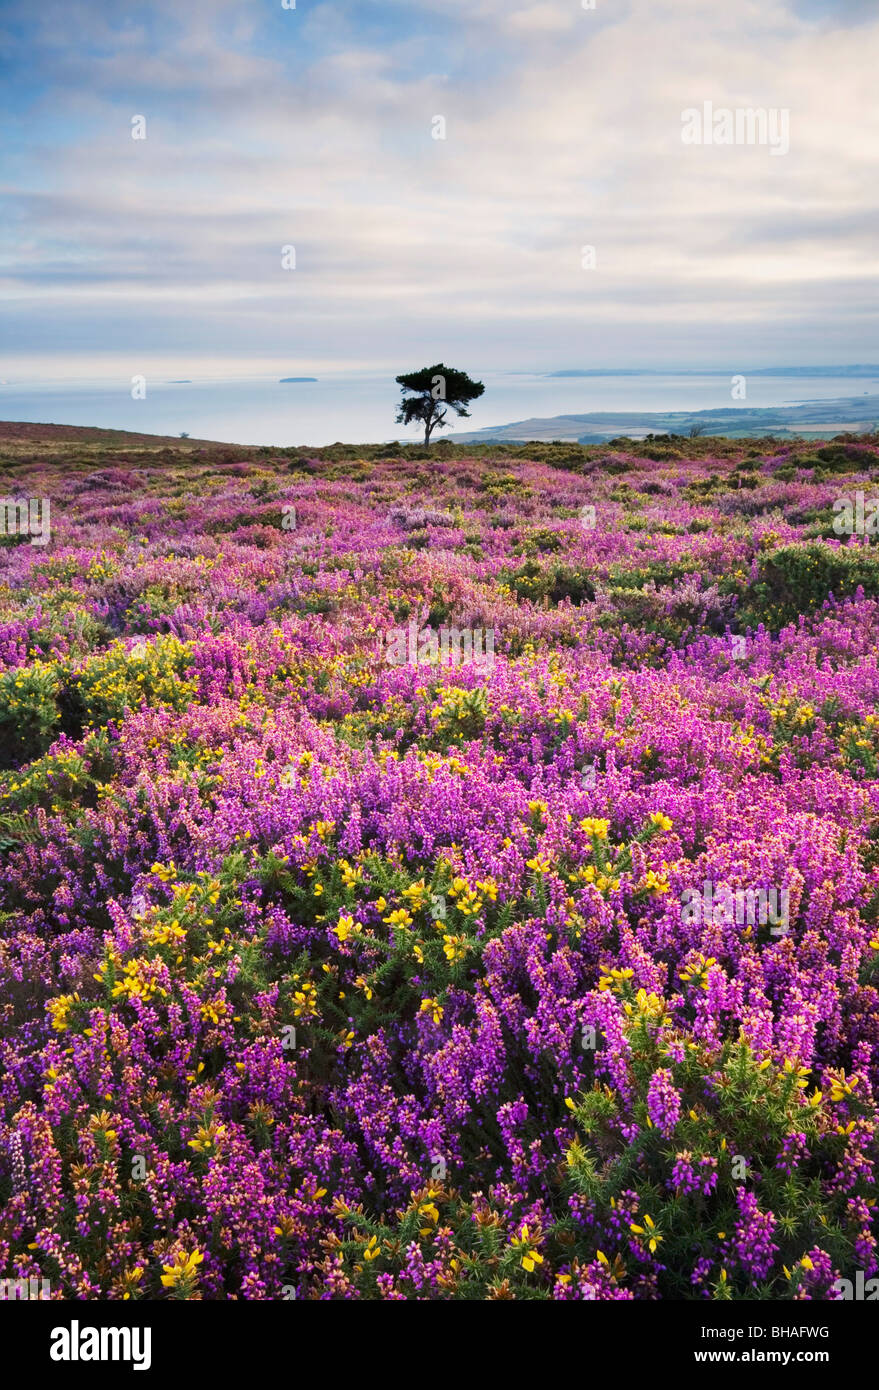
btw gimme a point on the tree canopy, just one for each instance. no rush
(428, 393)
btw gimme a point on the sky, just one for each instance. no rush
(314, 128)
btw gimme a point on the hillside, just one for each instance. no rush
(439, 877)
(810, 420)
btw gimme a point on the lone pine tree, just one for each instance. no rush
(430, 391)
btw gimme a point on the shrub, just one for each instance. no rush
(29, 714)
(127, 677)
(798, 578)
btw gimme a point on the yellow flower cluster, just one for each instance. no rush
(430, 1006)
(697, 970)
(305, 1001)
(531, 1256)
(139, 980)
(183, 1270)
(454, 947)
(59, 1010)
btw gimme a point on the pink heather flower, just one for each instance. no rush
(663, 1102)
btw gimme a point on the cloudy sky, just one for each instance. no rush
(314, 128)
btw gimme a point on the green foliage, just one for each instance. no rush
(125, 677)
(55, 781)
(798, 578)
(542, 541)
(461, 714)
(29, 715)
(845, 458)
(432, 389)
(553, 583)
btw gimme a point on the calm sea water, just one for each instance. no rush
(361, 408)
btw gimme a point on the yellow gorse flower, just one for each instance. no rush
(454, 947)
(350, 876)
(430, 1212)
(345, 927)
(698, 970)
(614, 979)
(656, 883)
(540, 864)
(213, 1010)
(59, 1010)
(185, 1267)
(802, 1074)
(840, 1086)
(130, 1281)
(305, 1002)
(416, 894)
(400, 918)
(649, 1006)
(206, 1136)
(531, 1256)
(648, 1231)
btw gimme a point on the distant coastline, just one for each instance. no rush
(856, 371)
(849, 414)
(288, 380)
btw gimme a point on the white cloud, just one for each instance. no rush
(563, 130)
(544, 18)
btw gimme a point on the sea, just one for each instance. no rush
(357, 408)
